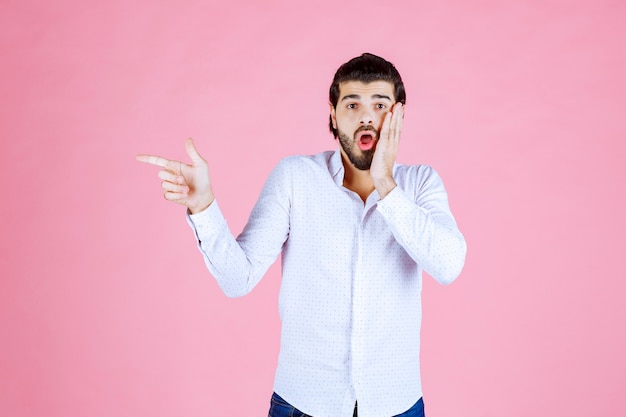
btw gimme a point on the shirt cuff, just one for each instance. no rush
(395, 198)
(207, 223)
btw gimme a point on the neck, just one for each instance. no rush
(356, 180)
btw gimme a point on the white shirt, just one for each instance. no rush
(351, 279)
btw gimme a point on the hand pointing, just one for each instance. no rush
(186, 184)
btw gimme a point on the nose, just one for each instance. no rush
(366, 117)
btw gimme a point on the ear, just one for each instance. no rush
(333, 115)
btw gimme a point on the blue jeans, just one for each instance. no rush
(281, 408)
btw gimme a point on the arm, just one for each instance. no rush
(421, 223)
(237, 264)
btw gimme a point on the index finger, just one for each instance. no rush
(154, 160)
(384, 130)
(397, 110)
(398, 115)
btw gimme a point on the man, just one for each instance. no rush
(355, 231)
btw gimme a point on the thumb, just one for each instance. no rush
(192, 152)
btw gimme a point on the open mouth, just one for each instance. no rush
(366, 140)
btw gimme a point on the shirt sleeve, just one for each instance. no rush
(238, 264)
(425, 227)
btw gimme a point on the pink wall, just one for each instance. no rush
(105, 306)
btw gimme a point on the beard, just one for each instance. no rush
(362, 160)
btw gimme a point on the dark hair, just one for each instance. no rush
(366, 68)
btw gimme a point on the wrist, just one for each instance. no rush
(384, 186)
(202, 205)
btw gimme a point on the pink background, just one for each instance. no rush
(105, 306)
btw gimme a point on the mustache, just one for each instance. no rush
(368, 129)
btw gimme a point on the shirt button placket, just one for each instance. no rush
(358, 325)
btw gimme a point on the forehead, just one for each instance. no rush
(366, 90)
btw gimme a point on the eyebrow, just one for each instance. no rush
(358, 97)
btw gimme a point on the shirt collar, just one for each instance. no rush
(335, 167)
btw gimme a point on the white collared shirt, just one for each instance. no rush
(349, 301)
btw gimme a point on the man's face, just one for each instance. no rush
(358, 118)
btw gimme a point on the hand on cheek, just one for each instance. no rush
(387, 151)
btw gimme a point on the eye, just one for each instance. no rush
(381, 106)
(351, 105)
